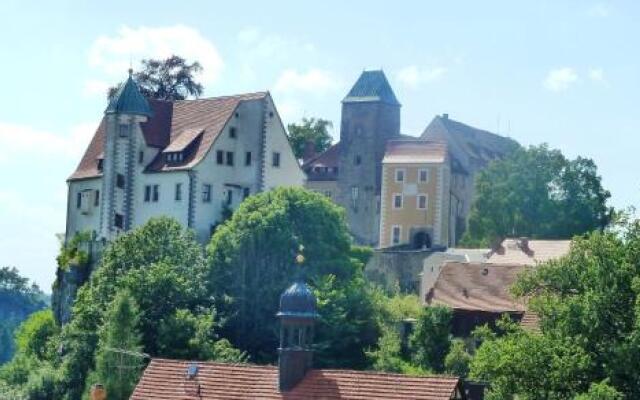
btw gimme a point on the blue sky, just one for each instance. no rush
(562, 72)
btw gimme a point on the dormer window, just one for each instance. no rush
(173, 157)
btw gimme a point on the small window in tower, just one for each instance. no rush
(230, 158)
(206, 193)
(247, 158)
(229, 197)
(156, 193)
(400, 175)
(96, 199)
(219, 157)
(275, 161)
(246, 192)
(270, 114)
(119, 221)
(357, 160)
(120, 181)
(397, 200)
(78, 200)
(354, 193)
(178, 191)
(100, 164)
(232, 132)
(140, 157)
(123, 130)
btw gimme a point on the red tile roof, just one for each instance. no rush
(477, 287)
(528, 251)
(169, 121)
(166, 380)
(415, 151)
(329, 159)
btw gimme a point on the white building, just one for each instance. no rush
(190, 160)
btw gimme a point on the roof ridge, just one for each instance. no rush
(230, 96)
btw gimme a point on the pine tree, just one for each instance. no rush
(117, 365)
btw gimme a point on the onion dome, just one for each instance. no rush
(129, 100)
(298, 301)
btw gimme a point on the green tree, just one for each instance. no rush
(458, 360)
(252, 256)
(34, 334)
(170, 79)
(311, 130)
(601, 391)
(589, 307)
(537, 192)
(18, 299)
(430, 340)
(117, 366)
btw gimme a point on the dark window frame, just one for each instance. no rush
(247, 159)
(156, 193)
(178, 194)
(275, 159)
(229, 158)
(220, 157)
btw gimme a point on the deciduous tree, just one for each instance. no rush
(311, 130)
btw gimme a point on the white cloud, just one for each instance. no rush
(314, 80)
(21, 141)
(112, 54)
(560, 79)
(599, 10)
(412, 76)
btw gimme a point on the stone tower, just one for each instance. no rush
(297, 319)
(370, 117)
(126, 110)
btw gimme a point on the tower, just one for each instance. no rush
(297, 319)
(126, 110)
(370, 117)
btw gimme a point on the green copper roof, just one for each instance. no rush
(372, 86)
(129, 100)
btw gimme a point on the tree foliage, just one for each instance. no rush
(310, 130)
(537, 192)
(430, 340)
(170, 79)
(589, 307)
(252, 256)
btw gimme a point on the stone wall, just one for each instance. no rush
(397, 269)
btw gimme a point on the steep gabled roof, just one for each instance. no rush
(371, 86)
(169, 121)
(477, 287)
(166, 380)
(129, 100)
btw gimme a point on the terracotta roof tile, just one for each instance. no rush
(166, 380)
(181, 141)
(169, 120)
(477, 287)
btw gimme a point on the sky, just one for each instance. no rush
(566, 73)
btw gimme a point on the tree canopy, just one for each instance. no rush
(252, 263)
(589, 307)
(170, 79)
(310, 130)
(537, 192)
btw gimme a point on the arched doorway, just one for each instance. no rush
(421, 240)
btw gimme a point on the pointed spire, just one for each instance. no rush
(129, 100)
(372, 86)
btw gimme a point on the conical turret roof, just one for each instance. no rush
(129, 100)
(371, 86)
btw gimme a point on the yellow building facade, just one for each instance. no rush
(414, 205)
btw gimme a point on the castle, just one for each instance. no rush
(399, 189)
(193, 160)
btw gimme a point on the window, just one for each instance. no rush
(120, 181)
(354, 193)
(230, 158)
(232, 132)
(119, 221)
(220, 157)
(397, 200)
(140, 157)
(79, 200)
(327, 193)
(400, 175)
(395, 234)
(275, 159)
(178, 191)
(247, 158)
(246, 192)
(206, 193)
(422, 202)
(100, 164)
(423, 175)
(147, 193)
(229, 197)
(156, 193)
(357, 160)
(123, 130)
(96, 199)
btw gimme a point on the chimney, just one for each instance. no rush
(309, 151)
(98, 392)
(297, 319)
